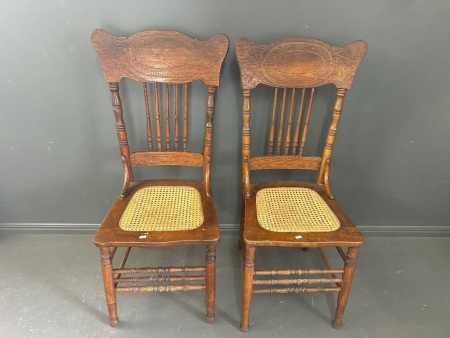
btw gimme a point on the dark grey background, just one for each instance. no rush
(59, 157)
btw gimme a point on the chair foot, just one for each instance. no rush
(244, 328)
(336, 325)
(210, 320)
(113, 319)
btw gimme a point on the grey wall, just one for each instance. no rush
(59, 158)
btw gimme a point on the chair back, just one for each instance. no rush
(296, 68)
(166, 63)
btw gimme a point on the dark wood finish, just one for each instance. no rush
(247, 284)
(108, 282)
(165, 62)
(160, 56)
(296, 67)
(298, 62)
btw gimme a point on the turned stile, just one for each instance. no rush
(331, 136)
(246, 142)
(122, 137)
(208, 137)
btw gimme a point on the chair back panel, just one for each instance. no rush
(298, 62)
(160, 56)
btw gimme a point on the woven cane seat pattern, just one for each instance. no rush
(293, 209)
(163, 208)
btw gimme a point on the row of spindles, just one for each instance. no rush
(179, 109)
(289, 126)
(138, 277)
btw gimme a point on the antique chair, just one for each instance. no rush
(294, 212)
(161, 212)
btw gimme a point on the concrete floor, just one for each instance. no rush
(50, 286)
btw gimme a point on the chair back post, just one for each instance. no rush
(331, 136)
(246, 93)
(208, 138)
(122, 137)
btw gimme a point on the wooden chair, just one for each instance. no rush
(294, 213)
(161, 212)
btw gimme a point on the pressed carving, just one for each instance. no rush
(160, 56)
(298, 62)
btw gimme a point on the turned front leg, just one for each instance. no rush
(347, 279)
(247, 285)
(210, 282)
(108, 282)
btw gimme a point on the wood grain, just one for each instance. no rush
(298, 62)
(160, 56)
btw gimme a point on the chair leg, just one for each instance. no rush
(247, 285)
(210, 282)
(347, 279)
(108, 281)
